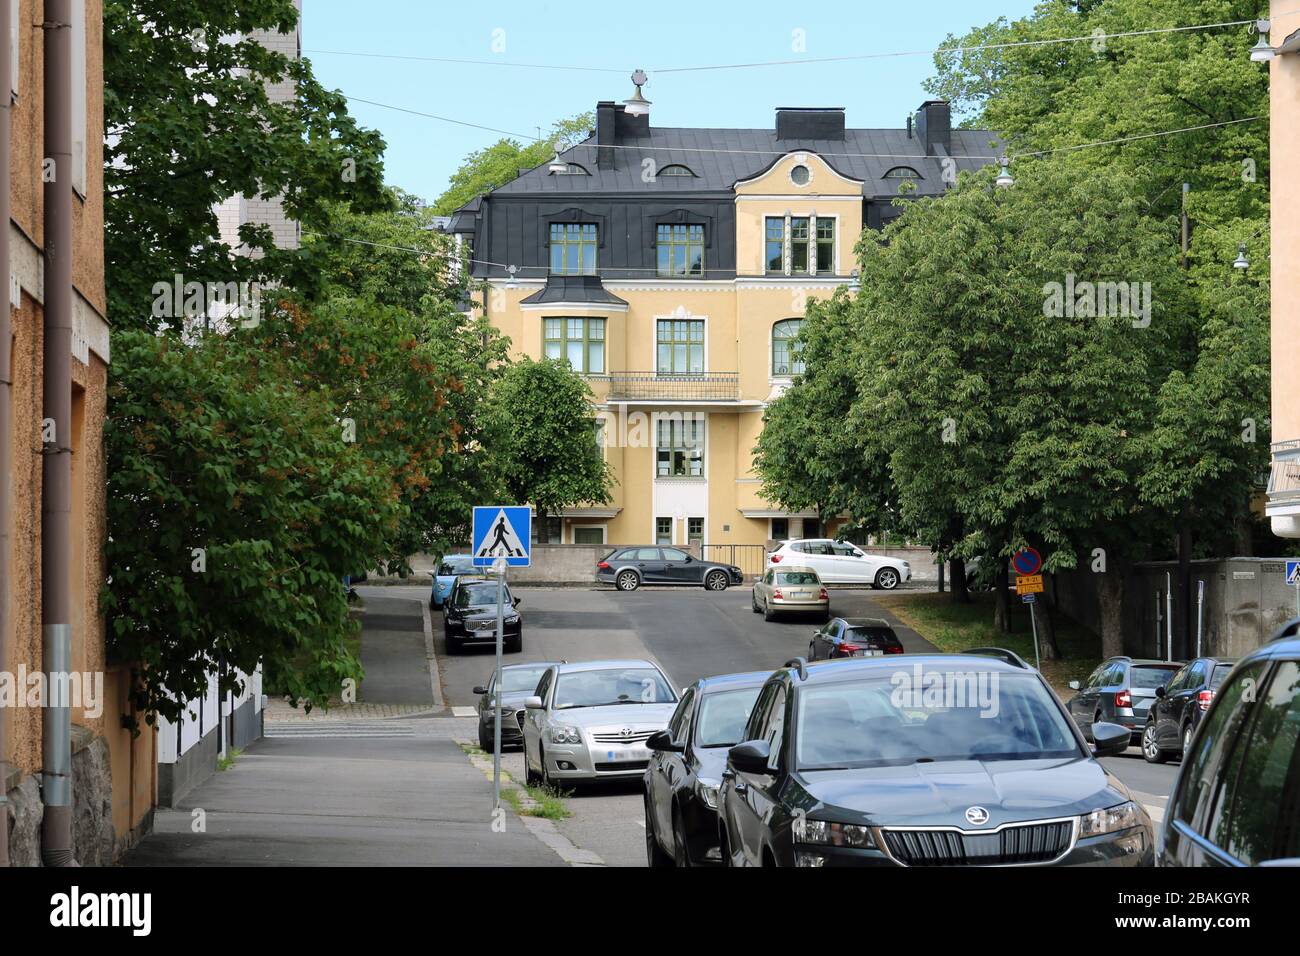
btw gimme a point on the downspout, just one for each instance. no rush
(56, 461)
(6, 395)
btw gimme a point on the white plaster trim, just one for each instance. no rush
(801, 197)
(560, 310)
(90, 330)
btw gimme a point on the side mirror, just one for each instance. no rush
(517, 601)
(534, 703)
(690, 558)
(1109, 740)
(749, 757)
(480, 689)
(1074, 685)
(663, 741)
(1160, 691)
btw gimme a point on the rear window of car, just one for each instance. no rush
(1150, 678)
(798, 577)
(1221, 672)
(870, 634)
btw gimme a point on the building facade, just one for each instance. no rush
(1283, 502)
(672, 268)
(113, 772)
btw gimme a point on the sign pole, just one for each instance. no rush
(1033, 623)
(500, 568)
(1200, 613)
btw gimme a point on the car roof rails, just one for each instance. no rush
(1001, 653)
(799, 664)
(1289, 629)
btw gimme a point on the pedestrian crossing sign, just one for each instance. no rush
(1293, 572)
(502, 531)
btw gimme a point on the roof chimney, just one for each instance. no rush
(934, 127)
(606, 111)
(810, 122)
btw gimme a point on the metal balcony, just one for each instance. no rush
(650, 386)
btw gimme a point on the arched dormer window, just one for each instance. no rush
(676, 169)
(902, 172)
(786, 358)
(573, 169)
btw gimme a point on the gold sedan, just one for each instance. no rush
(791, 590)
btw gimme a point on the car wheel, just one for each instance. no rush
(1151, 751)
(753, 603)
(886, 579)
(1187, 740)
(715, 581)
(515, 644)
(681, 849)
(825, 616)
(484, 738)
(654, 853)
(531, 777)
(453, 645)
(627, 581)
(812, 653)
(768, 613)
(547, 783)
(724, 845)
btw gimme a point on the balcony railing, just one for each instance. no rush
(705, 387)
(1284, 472)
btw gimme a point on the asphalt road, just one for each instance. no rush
(690, 633)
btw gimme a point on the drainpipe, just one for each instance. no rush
(56, 470)
(6, 393)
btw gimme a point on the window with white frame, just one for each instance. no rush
(787, 354)
(679, 447)
(799, 245)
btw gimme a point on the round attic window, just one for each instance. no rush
(800, 175)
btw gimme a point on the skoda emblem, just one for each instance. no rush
(977, 816)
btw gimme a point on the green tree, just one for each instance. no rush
(485, 169)
(234, 507)
(189, 123)
(551, 458)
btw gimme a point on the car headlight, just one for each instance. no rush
(832, 834)
(512, 619)
(561, 734)
(707, 791)
(1112, 819)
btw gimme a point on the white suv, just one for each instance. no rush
(838, 562)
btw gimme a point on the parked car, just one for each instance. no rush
(790, 590)
(854, 637)
(1179, 706)
(1120, 691)
(843, 765)
(838, 562)
(629, 568)
(450, 568)
(591, 720)
(685, 771)
(470, 616)
(518, 683)
(1237, 798)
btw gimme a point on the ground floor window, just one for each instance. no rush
(694, 530)
(589, 535)
(663, 530)
(546, 531)
(780, 529)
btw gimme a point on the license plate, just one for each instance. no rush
(617, 755)
(801, 595)
(869, 652)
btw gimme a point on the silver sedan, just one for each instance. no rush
(590, 720)
(791, 590)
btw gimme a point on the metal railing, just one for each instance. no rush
(750, 558)
(704, 387)
(1284, 471)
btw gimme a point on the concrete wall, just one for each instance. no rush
(1246, 601)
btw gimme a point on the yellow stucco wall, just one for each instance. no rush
(1284, 178)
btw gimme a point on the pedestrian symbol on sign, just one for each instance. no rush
(501, 533)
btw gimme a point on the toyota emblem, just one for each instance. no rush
(625, 732)
(977, 816)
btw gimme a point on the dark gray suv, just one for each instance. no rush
(1120, 691)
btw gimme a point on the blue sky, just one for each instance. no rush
(423, 153)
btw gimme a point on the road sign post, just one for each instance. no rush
(1033, 624)
(502, 538)
(499, 565)
(1027, 563)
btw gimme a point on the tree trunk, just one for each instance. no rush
(1048, 648)
(957, 572)
(1110, 602)
(1001, 602)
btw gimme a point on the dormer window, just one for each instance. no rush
(573, 248)
(571, 169)
(902, 172)
(676, 169)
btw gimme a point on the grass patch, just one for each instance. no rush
(955, 627)
(546, 802)
(228, 761)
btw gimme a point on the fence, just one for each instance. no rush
(750, 558)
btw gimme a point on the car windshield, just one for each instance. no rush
(612, 685)
(476, 595)
(723, 717)
(521, 678)
(1146, 677)
(929, 714)
(798, 577)
(457, 566)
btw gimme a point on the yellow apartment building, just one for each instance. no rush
(672, 267)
